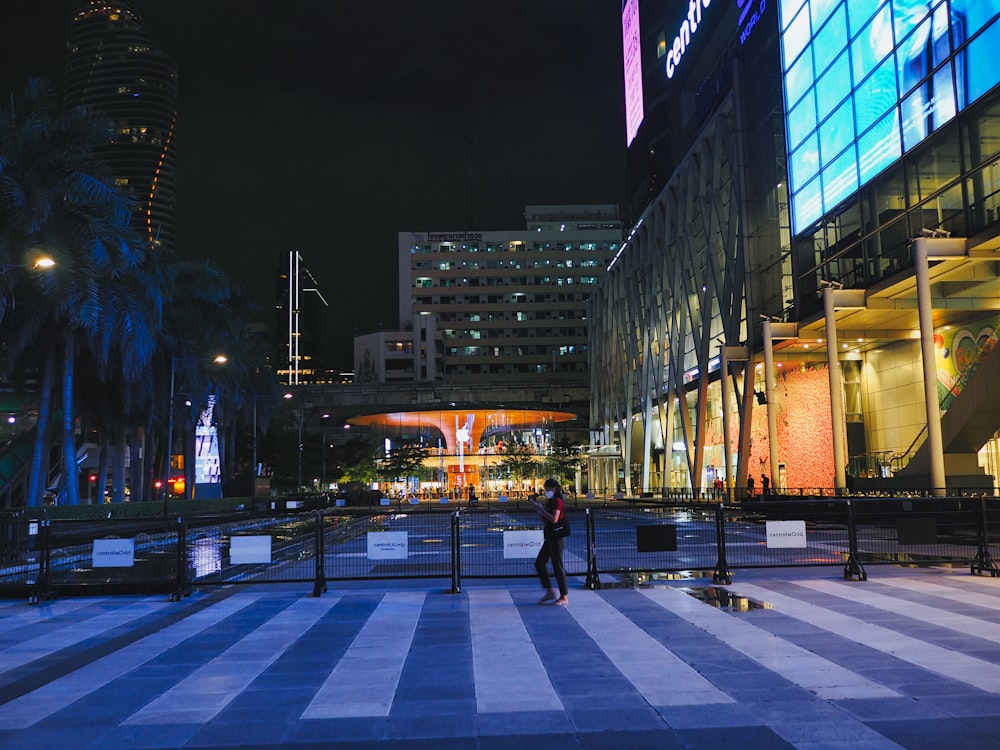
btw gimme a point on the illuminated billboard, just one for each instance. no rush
(207, 464)
(867, 80)
(633, 69)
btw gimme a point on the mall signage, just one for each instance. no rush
(686, 32)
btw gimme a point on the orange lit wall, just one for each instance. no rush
(805, 442)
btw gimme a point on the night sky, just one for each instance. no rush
(327, 127)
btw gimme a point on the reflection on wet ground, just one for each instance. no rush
(722, 598)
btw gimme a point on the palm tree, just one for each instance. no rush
(199, 324)
(54, 191)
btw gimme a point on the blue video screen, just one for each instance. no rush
(865, 81)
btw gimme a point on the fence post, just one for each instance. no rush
(853, 567)
(593, 581)
(44, 561)
(721, 574)
(456, 555)
(983, 560)
(180, 587)
(319, 552)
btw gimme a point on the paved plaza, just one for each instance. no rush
(799, 659)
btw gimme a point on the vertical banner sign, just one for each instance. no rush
(388, 545)
(632, 52)
(521, 544)
(207, 465)
(786, 534)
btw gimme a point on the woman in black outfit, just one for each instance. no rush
(553, 512)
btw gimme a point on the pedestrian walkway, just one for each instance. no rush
(908, 659)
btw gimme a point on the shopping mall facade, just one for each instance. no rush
(809, 291)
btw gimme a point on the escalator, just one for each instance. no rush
(972, 418)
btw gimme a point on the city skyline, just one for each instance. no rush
(322, 129)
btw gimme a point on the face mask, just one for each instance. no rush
(549, 494)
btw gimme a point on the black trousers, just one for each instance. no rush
(552, 549)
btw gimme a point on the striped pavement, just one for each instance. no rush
(908, 659)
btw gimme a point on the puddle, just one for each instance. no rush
(637, 579)
(724, 599)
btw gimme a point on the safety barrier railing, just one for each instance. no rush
(47, 557)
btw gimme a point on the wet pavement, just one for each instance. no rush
(785, 658)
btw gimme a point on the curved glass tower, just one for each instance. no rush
(114, 68)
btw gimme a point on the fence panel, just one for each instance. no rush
(362, 545)
(655, 539)
(503, 543)
(919, 530)
(112, 554)
(787, 533)
(21, 551)
(263, 549)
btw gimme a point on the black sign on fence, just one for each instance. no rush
(659, 538)
(916, 530)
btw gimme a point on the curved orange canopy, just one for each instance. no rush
(452, 422)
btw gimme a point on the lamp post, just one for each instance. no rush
(253, 470)
(325, 418)
(221, 359)
(299, 475)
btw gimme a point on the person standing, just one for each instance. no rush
(555, 533)
(765, 484)
(750, 486)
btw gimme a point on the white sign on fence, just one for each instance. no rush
(113, 553)
(786, 534)
(388, 545)
(518, 544)
(253, 548)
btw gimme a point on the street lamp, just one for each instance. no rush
(325, 418)
(221, 359)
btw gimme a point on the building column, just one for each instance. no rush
(647, 443)
(836, 390)
(770, 396)
(935, 442)
(727, 448)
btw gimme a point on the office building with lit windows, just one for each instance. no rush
(300, 324)
(508, 305)
(114, 68)
(809, 286)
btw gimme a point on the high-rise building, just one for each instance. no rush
(114, 68)
(508, 305)
(300, 324)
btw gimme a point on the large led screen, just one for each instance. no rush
(867, 80)
(633, 69)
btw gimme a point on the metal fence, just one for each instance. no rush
(42, 557)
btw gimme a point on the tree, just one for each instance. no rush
(403, 462)
(55, 193)
(354, 461)
(564, 460)
(517, 461)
